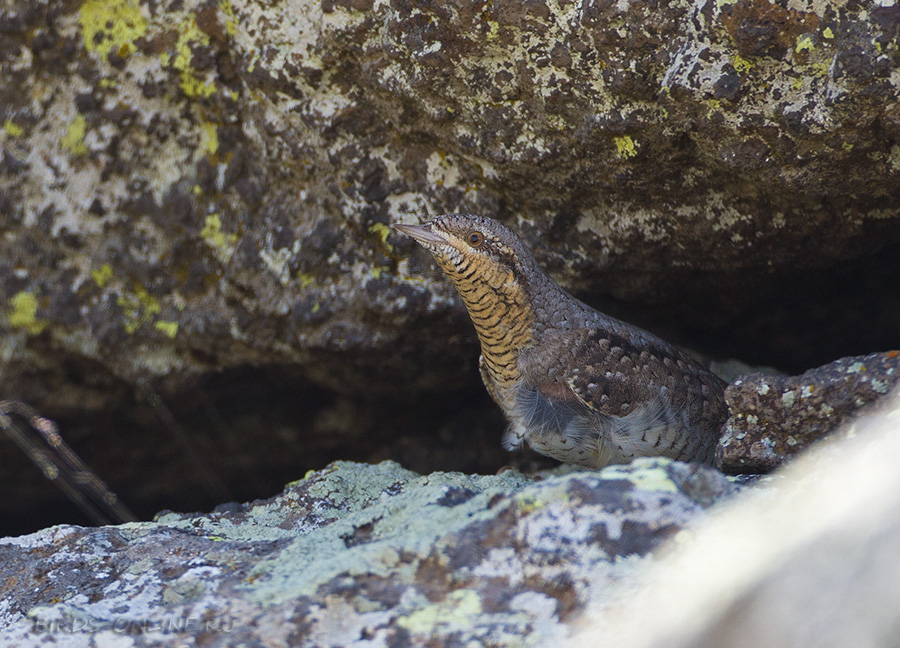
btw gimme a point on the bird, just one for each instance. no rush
(573, 383)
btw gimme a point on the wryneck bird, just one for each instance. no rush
(575, 384)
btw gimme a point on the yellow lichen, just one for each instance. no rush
(804, 44)
(625, 146)
(528, 503)
(652, 475)
(23, 313)
(102, 275)
(828, 33)
(189, 34)
(306, 279)
(741, 64)
(221, 243)
(167, 327)
(383, 231)
(138, 308)
(209, 136)
(230, 20)
(74, 137)
(111, 26)
(12, 129)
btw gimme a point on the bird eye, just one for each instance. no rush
(475, 239)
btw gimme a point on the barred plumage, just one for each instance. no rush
(575, 384)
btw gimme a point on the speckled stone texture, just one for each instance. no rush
(808, 561)
(357, 555)
(772, 418)
(202, 184)
(192, 188)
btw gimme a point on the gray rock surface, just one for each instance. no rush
(812, 560)
(192, 189)
(356, 555)
(195, 185)
(773, 418)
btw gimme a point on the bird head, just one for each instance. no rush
(473, 249)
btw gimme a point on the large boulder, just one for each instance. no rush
(356, 555)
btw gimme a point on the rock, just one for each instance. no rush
(356, 555)
(195, 198)
(772, 418)
(809, 561)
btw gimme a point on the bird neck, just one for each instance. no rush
(500, 301)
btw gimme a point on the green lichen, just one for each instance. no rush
(12, 129)
(456, 611)
(494, 31)
(647, 473)
(23, 313)
(625, 146)
(138, 308)
(213, 235)
(306, 279)
(398, 507)
(111, 26)
(74, 137)
(788, 398)
(102, 275)
(895, 157)
(804, 44)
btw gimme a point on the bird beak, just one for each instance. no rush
(422, 233)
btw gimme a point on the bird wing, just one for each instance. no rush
(616, 373)
(630, 392)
